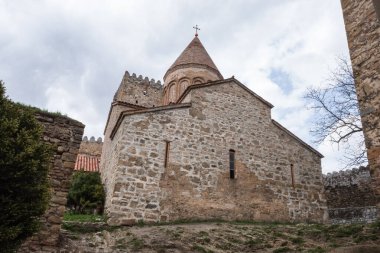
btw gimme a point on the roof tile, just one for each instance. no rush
(194, 53)
(87, 163)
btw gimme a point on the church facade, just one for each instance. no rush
(202, 147)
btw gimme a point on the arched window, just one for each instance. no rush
(232, 163)
(183, 84)
(166, 95)
(172, 92)
(198, 80)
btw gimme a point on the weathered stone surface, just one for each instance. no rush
(348, 215)
(139, 92)
(350, 197)
(196, 184)
(66, 133)
(91, 147)
(363, 33)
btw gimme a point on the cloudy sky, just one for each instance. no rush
(69, 56)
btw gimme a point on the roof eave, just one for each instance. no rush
(124, 114)
(296, 138)
(232, 79)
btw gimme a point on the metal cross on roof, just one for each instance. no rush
(196, 29)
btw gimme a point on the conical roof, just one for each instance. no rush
(194, 55)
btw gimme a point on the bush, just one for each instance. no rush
(86, 193)
(24, 162)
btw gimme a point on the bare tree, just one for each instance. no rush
(338, 118)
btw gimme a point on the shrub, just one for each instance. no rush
(24, 162)
(86, 192)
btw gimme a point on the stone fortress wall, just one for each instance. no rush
(91, 146)
(133, 93)
(139, 91)
(65, 135)
(362, 22)
(350, 198)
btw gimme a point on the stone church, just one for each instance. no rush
(203, 147)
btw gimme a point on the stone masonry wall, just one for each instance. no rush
(363, 33)
(91, 147)
(132, 88)
(195, 183)
(108, 168)
(350, 197)
(65, 136)
(139, 91)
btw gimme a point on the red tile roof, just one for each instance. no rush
(87, 163)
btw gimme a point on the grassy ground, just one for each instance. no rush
(68, 216)
(208, 237)
(82, 217)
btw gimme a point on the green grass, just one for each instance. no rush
(84, 228)
(316, 250)
(252, 242)
(83, 217)
(270, 225)
(375, 225)
(281, 250)
(136, 243)
(201, 249)
(224, 246)
(202, 233)
(278, 234)
(141, 223)
(75, 228)
(121, 244)
(272, 237)
(297, 240)
(345, 230)
(363, 238)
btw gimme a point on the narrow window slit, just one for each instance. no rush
(167, 147)
(232, 163)
(292, 174)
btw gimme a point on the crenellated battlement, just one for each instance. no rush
(140, 79)
(349, 196)
(139, 90)
(348, 177)
(134, 92)
(90, 146)
(92, 139)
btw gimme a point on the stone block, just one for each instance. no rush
(69, 165)
(128, 222)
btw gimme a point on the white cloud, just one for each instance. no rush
(69, 56)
